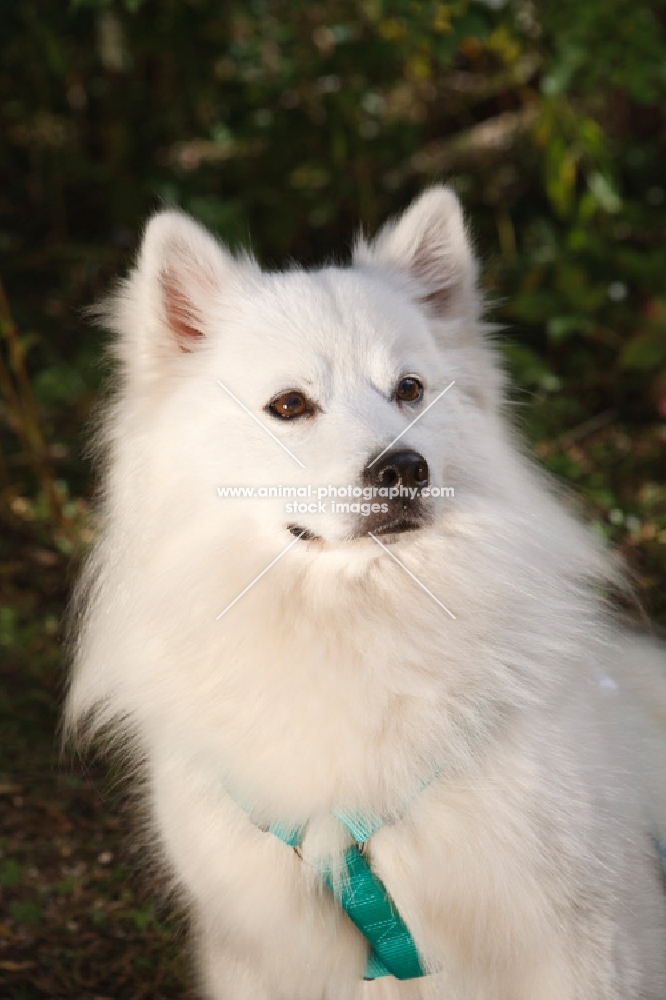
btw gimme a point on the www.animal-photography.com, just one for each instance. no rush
(332, 501)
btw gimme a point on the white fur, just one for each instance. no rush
(526, 870)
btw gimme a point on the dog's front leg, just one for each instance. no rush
(225, 976)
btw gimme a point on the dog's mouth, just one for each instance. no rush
(396, 527)
(304, 533)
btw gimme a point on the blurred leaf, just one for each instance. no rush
(10, 873)
(59, 384)
(647, 350)
(604, 192)
(561, 327)
(25, 913)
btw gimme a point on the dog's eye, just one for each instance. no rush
(409, 390)
(290, 404)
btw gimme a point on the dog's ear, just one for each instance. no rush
(428, 244)
(428, 249)
(164, 308)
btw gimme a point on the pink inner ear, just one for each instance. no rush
(437, 273)
(182, 316)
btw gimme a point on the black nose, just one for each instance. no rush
(399, 468)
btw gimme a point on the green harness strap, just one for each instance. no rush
(365, 900)
(368, 905)
(361, 894)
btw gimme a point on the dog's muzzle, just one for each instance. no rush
(397, 480)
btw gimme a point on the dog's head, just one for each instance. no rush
(372, 380)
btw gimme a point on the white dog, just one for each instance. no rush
(436, 679)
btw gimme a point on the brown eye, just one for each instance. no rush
(409, 390)
(290, 404)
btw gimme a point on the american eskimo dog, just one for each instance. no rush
(391, 745)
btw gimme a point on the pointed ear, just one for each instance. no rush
(162, 310)
(428, 244)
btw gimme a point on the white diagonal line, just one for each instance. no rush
(284, 551)
(421, 414)
(263, 425)
(409, 573)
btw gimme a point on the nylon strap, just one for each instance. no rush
(368, 905)
(361, 894)
(364, 898)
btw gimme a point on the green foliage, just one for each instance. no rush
(10, 873)
(25, 912)
(614, 44)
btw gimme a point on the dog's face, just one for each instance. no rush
(372, 380)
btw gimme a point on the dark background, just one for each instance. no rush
(283, 124)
